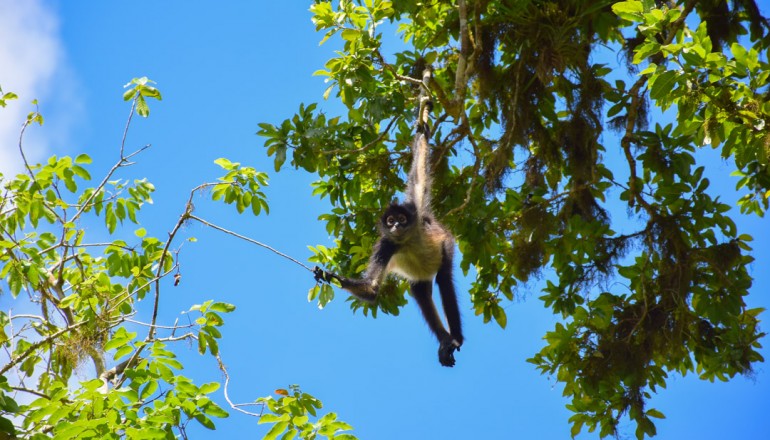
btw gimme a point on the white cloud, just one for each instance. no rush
(31, 61)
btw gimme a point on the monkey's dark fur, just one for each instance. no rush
(415, 246)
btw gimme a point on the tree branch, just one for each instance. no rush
(461, 76)
(250, 240)
(633, 113)
(236, 406)
(368, 145)
(124, 161)
(50, 338)
(21, 149)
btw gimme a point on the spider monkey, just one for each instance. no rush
(415, 246)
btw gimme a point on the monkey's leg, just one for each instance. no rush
(446, 287)
(421, 290)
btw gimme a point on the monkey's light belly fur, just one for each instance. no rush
(417, 263)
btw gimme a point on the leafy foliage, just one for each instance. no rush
(291, 417)
(537, 142)
(84, 297)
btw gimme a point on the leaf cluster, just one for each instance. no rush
(291, 417)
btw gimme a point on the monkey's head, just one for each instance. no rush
(397, 221)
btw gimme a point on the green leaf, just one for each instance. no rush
(142, 109)
(214, 410)
(68, 301)
(652, 412)
(224, 163)
(663, 84)
(222, 307)
(276, 430)
(81, 172)
(83, 159)
(208, 388)
(272, 418)
(351, 34)
(149, 389)
(500, 316)
(740, 53)
(205, 421)
(123, 351)
(629, 10)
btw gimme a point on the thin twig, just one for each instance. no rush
(36, 393)
(21, 149)
(178, 338)
(121, 163)
(250, 240)
(128, 124)
(128, 294)
(124, 161)
(161, 327)
(474, 173)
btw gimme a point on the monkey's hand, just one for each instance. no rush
(323, 276)
(446, 350)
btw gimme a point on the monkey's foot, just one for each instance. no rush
(446, 350)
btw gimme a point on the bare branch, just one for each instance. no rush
(183, 218)
(162, 327)
(117, 370)
(24, 316)
(32, 348)
(178, 338)
(236, 406)
(461, 77)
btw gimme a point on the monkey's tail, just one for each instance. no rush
(426, 103)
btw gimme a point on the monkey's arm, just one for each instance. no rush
(367, 287)
(361, 288)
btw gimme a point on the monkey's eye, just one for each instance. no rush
(390, 221)
(402, 219)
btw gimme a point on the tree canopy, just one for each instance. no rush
(534, 100)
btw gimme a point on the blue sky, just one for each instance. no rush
(223, 68)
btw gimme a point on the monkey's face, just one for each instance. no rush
(396, 222)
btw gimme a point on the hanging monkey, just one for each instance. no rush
(415, 246)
